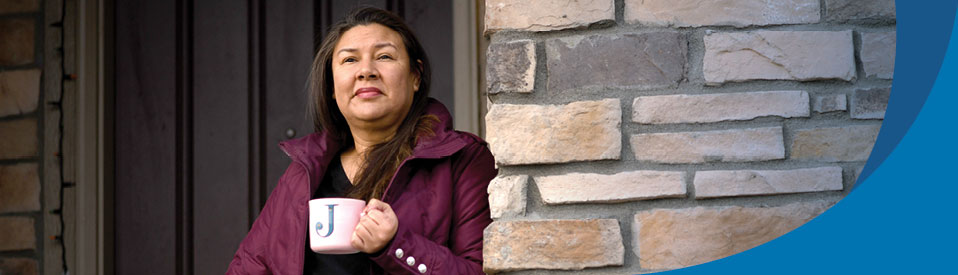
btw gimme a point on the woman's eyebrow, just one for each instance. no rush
(379, 45)
(346, 50)
(383, 45)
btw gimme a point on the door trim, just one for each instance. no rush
(466, 72)
(89, 232)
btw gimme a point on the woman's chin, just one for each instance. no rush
(375, 113)
(371, 117)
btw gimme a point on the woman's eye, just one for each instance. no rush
(349, 59)
(385, 56)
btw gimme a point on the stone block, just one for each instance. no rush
(666, 109)
(830, 103)
(18, 266)
(845, 10)
(730, 183)
(640, 60)
(878, 54)
(834, 144)
(19, 91)
(739, 145)
(545, 15)
(17, 41)
(507, 196)
(533, 134)
(18, 138)
(511, 67)
(551, 244)
(870, 103)
(18, 234)
(18, 6)
(778, 55)
(738, 13)
(597, 188)
(19, 188)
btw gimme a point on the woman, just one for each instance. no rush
(381, 139)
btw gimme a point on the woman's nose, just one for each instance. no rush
(368, 72)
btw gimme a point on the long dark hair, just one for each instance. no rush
(381, 160)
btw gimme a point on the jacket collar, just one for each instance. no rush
(315, 151)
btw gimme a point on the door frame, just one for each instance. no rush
(87, 139)
(466, 87)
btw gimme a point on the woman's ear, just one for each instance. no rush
(415, 85)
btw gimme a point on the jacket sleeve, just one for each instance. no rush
(251, 257)
(470, 216)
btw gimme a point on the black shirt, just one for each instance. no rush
(335, 185)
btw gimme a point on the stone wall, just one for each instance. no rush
(635, 136)
(20, 128)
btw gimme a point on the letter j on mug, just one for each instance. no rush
(319, 224)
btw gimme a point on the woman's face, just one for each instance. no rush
(373, 84)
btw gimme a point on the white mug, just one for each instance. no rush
(331, 224)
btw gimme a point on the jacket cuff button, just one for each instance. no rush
(422, 268)
(410, 261)
(399, 253)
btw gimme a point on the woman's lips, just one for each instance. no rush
(368, 92)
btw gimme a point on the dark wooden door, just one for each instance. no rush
(205, 91)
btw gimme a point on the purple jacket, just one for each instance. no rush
(438, 194)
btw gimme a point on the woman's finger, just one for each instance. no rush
(381, 233)
(388, 209)
(363, 231)
(357, 242)
(382, 206)
(377, 204)
(376, 217)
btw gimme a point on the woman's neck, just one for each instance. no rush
(353, 158)
(364, 140)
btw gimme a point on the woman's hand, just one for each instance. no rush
(376, 227)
